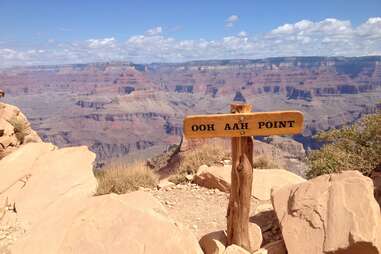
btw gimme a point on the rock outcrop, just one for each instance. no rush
(330, 214)
(131, 223)
(15, 129)
(40, 183)
(264, 180)
(50, 193)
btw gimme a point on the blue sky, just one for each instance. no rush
(50, 32)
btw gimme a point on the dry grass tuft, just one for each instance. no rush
(121, 178)
(264, 162)
(207, 154)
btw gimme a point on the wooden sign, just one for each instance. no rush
(243, 124)
(240, 125)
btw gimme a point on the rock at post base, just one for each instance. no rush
(214, 243)
(255, 236)
(235, 249)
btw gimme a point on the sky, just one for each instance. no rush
(36, 32)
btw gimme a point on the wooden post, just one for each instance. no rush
(241, 183)
(241, 125)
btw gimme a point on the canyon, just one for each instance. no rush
(121, 109)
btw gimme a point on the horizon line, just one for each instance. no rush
(183, 62)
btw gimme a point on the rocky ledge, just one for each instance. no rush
(47, 195)
(15, 129)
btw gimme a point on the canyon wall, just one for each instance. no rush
(123, 109)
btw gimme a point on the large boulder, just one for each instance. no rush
(18, 166)
(39, 182)
(50, 191)
(130, 223)
(330, 214)
(55, 175)
(264, 180)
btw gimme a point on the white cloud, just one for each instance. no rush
(154, 31)
(285, 29)
(230, 21)
(328, 37)
(242, 34)
(232, 18)
(99, 43)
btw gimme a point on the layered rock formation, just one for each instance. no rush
(120, 109)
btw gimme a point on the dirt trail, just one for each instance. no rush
(200, 209)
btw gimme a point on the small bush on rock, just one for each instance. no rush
(121, 178)
(357, 147)
(22, 129)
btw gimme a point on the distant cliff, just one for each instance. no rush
(120, 109)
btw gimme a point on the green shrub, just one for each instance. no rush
(121, 178)
(357, 147)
